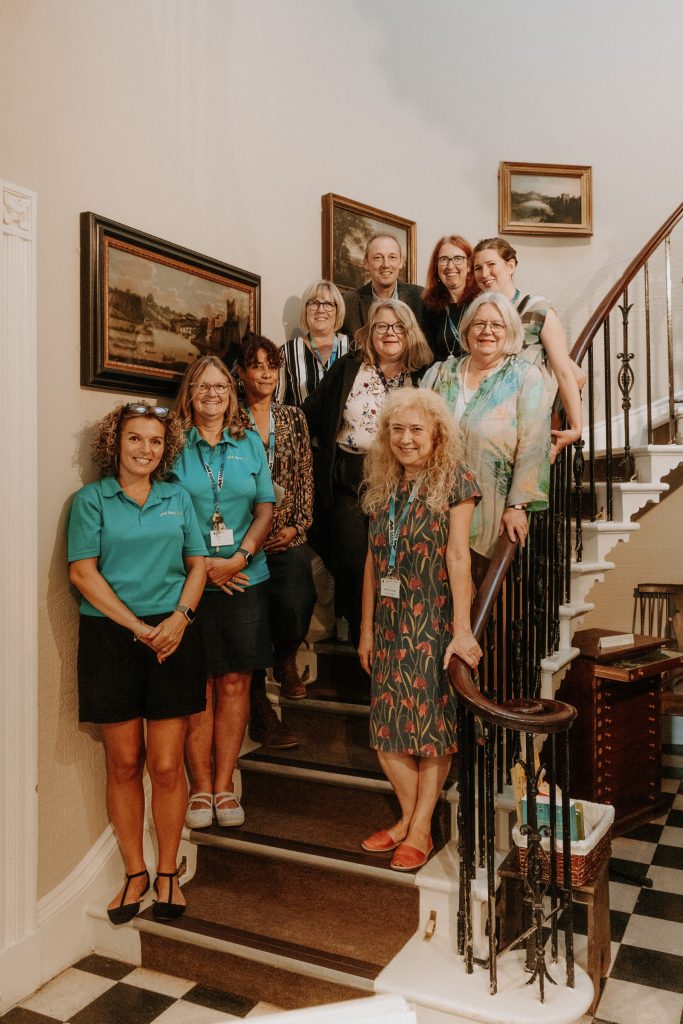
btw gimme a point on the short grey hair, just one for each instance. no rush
(508, 314)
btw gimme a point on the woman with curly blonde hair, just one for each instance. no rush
(136, 555)
(417, 592)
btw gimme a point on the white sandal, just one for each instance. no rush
(228, 816)
(201, 816)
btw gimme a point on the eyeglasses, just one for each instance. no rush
(139, 409)
(204, 389)
(479, 326)
(326, 306)
(383, 328)
(457, 261)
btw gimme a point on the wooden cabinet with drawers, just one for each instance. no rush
(614, 744)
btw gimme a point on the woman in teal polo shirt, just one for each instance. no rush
(136, 554)
(224, 468)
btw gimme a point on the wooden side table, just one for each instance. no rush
(615, 742)
(594, 893)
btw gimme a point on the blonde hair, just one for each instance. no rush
(418, 353)
(327, 292)
(382, 471)
(234, 419)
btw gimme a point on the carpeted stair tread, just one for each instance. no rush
(325, 741)
(337, 914)
(339, 675)
(232, 973)
(318, 818)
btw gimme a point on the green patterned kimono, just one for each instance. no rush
(412, 707)
(506, 432)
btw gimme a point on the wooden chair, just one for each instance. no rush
(658, 611)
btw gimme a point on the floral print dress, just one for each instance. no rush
(412, 707)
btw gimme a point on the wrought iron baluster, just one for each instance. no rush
(578, 490)
(552, 786)
(609, 511)
(591, 436)
(648, 351)
(563, 762)
(567, 522)
(670, 341)
(534, 887)
(489, 747)
(625, 381)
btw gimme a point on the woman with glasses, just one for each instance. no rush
(137, 556)
(450, 287)
(342, 420)
(225, 470)
(283, 431)
(309, 356)
(544, 341)
(500, 403)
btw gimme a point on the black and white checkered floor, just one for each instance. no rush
(645, 982)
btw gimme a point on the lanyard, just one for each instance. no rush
(395, 528)
(316, 351)
(396, 382)
(216, 485)
(271, 435)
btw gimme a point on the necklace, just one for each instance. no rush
(455, 330)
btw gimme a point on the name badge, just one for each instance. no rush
(390, 586)
(279, 493)
(221, 536)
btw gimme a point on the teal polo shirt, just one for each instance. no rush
(139, 551)
(246, 482)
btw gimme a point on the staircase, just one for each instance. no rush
(289, 908)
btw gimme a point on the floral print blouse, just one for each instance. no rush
(359, 421)
(506, 432)
(293, 471)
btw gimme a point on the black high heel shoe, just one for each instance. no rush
(125, 912)
(167, 910)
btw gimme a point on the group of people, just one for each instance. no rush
(391, 442)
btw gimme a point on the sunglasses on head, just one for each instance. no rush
(140, 409)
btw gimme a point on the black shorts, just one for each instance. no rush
(119, 680)
(236, 630)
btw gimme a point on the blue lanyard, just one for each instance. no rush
(316, 351)
(216, 485)
(271, 435)
(395, 528)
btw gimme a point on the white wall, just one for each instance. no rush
(218, 124)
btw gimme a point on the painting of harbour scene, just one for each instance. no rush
(545, 199)
(163, 317)
(150, 308)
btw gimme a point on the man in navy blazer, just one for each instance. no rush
(382, 262)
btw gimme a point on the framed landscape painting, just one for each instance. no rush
(346, 228)
(149, 308)
(545, 199)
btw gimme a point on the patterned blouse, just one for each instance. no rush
(302, 371)
(293, 471)
(359, 422)
(506, 431)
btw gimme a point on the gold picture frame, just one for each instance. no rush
(545, 199)
(346, 228)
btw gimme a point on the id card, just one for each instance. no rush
(221, 536)
(390, 586)
(279, 493)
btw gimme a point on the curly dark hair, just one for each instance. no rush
(250, 348)
(107, 442)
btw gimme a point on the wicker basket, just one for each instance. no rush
(587, 855)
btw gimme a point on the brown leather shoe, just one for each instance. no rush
(287, 675)
(264, 725)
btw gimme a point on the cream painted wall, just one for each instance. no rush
(218, 124)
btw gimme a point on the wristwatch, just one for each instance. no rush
(520, 508)
(186, 611)
(248, 557)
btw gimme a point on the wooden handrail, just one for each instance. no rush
(616, 291)
(538, 716)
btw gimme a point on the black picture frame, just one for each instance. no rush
(150, 307)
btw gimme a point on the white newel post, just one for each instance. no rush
(19, 940)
